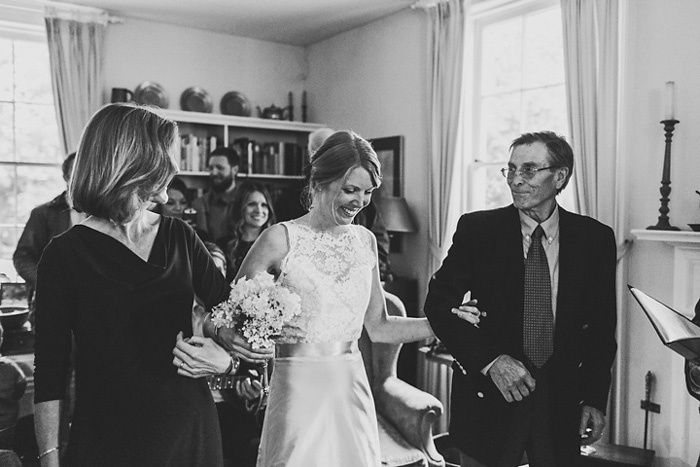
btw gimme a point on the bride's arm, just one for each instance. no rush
(266, 254)
(382, 327)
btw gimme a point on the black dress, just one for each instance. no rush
(131, 408)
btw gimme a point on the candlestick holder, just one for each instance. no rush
(665, 190)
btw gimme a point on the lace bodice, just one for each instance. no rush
(333, 276)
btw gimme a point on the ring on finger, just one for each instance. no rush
(182, 364)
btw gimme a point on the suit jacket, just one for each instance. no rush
(486, 257)
(45, 222)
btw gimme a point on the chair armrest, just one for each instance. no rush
(412, 412)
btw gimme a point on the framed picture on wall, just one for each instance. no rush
(390, 153)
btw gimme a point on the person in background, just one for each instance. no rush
(45, 222)
(122, 283)
(214, 208)
(692, 370)
(535, 375)
(13, 383)
(251, 214)
(178, 199)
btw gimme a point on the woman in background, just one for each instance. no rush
(253, 213)
(178, 199)
(122, 284)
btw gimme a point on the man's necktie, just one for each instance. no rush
(538, 328)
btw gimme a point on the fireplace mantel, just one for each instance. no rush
(686, 264)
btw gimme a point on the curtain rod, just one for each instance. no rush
(426, 4)
(37, 5)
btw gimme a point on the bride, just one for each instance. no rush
(320, 410)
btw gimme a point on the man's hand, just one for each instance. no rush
(592, 424)
(249, 389)
(511, 378)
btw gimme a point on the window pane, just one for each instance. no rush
(33, 73)
(7, 137)
(7, 194)
(9, 234)
(500, 123)
(545, 109)
(487, 187)
(36, 185)
(501, 56)
(543, 49)
(37, 137)
(6, 70)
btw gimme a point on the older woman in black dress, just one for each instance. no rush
(122, 284)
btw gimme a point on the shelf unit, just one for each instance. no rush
(226, 129)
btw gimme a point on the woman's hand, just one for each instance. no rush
(199, 356)
(468, 310)
(234, 342)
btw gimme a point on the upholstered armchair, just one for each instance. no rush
(405, 413)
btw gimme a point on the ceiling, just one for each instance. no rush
(294, 22)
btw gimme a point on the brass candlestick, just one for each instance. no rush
(665, 189)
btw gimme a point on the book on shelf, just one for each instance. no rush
(674, 329)
(292, 157)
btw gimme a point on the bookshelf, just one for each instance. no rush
(271, 150)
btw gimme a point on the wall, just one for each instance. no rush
(373, 80)
(662, 38)
(177, 58)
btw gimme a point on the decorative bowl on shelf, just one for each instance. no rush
(196, 99)
(695, 227)
(151, 93)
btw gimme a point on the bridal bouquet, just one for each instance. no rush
(258, 308)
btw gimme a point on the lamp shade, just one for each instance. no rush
(395, 214)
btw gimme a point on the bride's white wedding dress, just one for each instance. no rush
(320, 410)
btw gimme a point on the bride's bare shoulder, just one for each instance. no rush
(274, 238)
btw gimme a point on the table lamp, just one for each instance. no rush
(397, 219)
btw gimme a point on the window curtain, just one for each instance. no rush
(446, 49)
(592, 59)
(76, 41)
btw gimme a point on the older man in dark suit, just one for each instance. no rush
(534, 376)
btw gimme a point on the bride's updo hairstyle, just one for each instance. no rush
(339, 154)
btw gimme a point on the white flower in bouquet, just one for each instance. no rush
(258, 308)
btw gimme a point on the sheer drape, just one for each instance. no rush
(75, 49)
(446, 48)
(592, 56)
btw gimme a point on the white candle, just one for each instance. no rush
(670, 100)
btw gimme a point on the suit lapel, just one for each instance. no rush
(569, 276)
(511, 256)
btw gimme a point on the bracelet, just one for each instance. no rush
(47, 452)
(233, 366)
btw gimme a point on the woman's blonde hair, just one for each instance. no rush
(123, 160)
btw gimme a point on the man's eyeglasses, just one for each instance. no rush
(526, 172)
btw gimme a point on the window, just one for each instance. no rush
(30, 152)
(517, 86)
